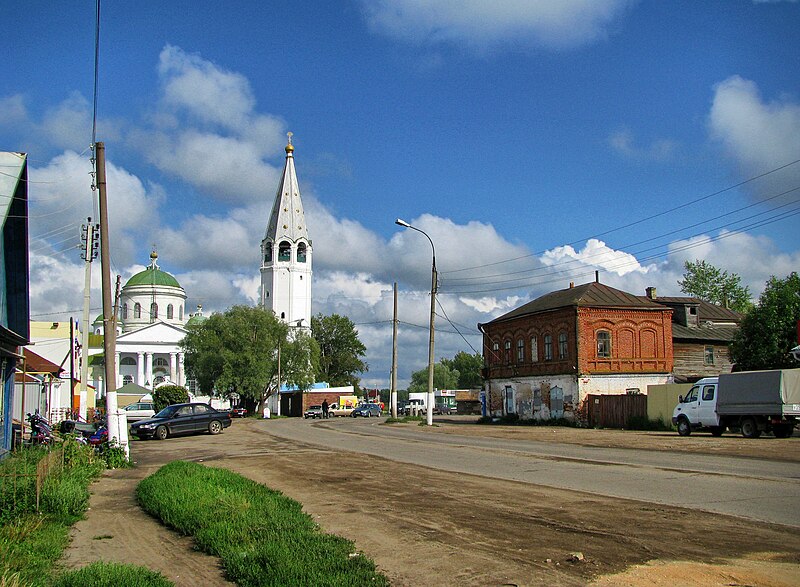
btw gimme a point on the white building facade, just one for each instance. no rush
(286, 255)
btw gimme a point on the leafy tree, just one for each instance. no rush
(468, 368)
(769, 330)
(238, 352)
(443, 378)
(340, 350)
(166, 395)
(704, 281)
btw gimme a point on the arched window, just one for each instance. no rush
(283, 315)
(507, 348)
(169, 312)
(180, 313)
(127, 361)
(603, 344)
(124, 311)
(520, 351)
(534, 349)
(562, 345)
(158, 380)
(137, 310)
(268, 252)
(285, 251)
(548, 347)
(301, 253)
(153, 311)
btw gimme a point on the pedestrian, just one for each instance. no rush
(324, 409)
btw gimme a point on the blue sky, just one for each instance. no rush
(536, 142)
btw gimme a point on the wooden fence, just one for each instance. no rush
(16, 477)
(614, 411)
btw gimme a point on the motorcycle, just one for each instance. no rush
(41, 430)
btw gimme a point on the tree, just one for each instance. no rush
(340, 350)
(768, 332)
(704, 281)
(468, 368)
(443, 378)
(166, 395)
(237, 352)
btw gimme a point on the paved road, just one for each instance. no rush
(756, 489)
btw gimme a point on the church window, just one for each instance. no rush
(268, 252)
(180, 312)
(153, 311)
(126, 379)
(520, 351)
(283, 315)
(124, 311)
(548, 347)
(534, 349)
(169, 312)
(285, 251)
(137, 310)
(507, 349)
(127, 361)
(301, 253)
(160, 362)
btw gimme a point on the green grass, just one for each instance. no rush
(32, 542)
(262, 536)
(404, 419)
(102, 574)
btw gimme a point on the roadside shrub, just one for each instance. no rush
(644, 423)
(65, 495)
(166, 395)
(102, 574)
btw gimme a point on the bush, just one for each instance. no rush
(102, 574)
(166, 395)
(644, 423)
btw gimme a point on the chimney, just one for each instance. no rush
(650, 292)
(597, 277)
(571, 284)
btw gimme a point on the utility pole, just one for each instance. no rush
(91, 239)
(115, 431)
(393, 391)
(71, 365)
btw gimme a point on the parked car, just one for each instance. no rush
(182, 419)
(367, 411)
(442, 409)
(238, 412)
(139, 411)
(313, 412)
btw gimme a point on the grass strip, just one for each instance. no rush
(262, 536)
(102, 574)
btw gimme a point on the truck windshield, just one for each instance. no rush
(691, 396)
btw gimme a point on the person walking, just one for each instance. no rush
(324, 409)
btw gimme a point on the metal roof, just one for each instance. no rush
(705, 310)
(709, 333)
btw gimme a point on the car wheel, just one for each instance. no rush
(684, 429)
(750, 428)
(215, 427)
(162, 433)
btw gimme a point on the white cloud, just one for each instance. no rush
(624, 142)
(760, 135)
(547, 23)
(594, 254)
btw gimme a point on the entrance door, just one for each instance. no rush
(509, 397)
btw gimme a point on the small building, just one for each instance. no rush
(543, 359)
(701, 336)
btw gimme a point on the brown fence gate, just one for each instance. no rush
(614, 411)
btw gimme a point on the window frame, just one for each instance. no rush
(603, 347)
(563, 345)
(548, 347)
(534, 348)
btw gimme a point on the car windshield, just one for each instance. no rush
(167, 412)
(315, 408)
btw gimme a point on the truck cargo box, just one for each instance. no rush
(759, 392)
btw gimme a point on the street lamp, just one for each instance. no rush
(431, 399)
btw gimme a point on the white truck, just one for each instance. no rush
(752, 401)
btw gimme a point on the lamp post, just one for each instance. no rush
(431, 399)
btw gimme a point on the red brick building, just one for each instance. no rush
(543, 358)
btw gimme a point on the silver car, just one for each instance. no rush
(139, 411)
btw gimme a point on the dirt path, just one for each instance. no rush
(425, 527)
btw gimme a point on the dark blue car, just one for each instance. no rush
(182, 419)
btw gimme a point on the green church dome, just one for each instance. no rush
(153, 276)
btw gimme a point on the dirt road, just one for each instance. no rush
(427, 527)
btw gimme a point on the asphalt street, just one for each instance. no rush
(755, 489)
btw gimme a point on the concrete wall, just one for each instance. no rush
(662, 399)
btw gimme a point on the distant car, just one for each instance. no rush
(442, 409)
(367, 411)
(139, 411)
(238, 412)
(313, 412)
(182, 419)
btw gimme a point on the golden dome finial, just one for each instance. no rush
(289, 147)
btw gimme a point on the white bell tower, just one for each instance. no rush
(286, 252)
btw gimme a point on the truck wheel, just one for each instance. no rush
(750, 428)
(782, 431)
(683, 427)
(717, 430)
